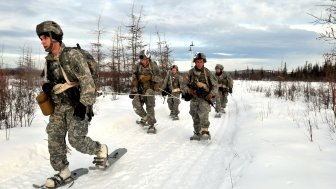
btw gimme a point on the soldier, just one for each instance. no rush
(146, 81)
(70, 115)
(172, 86)
(225, 85)
(202, 88)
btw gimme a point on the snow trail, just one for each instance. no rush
(247, 150)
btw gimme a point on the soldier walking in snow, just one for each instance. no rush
(225, 85)
(146, 81)
(202, 88)
(172, 86)
(70, 115)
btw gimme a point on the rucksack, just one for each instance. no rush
(92, 64)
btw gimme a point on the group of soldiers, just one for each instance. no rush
(70, 88)
(201, 87)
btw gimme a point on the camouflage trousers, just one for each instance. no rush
(60, 123)
(199, 111)
(140, 100)
(221, 100)
(173, 103)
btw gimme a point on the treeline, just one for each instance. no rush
(307, 72)
(18, 88)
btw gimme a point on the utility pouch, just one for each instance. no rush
(45, 103)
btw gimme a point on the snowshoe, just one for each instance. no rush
(217, 115)
(60, 179)
(111, 159)
(68, 181)
(196, 136)
(142, 122)
(175, 117)
(151, 130)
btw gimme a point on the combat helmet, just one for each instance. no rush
(51, 29)
(144, 54)
(174, 66)
(200, 55)
(219, 66)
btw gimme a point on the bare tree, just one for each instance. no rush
(135, 42)
(328, 20)
(97, 48)
(163, 55)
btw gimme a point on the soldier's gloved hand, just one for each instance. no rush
(209, 97)
(47, 88)
(201, 92)
(90, 113)
(230, 90)
(164, 93)
(186, 96)
(133, 93)
(80, 111)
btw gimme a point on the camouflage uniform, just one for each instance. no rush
(199, 107)
(145, 83)
(62, 120)
(225, 83)
(173, 85)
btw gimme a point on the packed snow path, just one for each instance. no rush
(255, 144)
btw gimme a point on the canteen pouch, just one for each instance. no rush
(45, 103)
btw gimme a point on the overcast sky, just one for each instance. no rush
(235, 33)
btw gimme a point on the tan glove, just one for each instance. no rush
(145, 78)
(209, 96)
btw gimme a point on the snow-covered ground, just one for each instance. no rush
(260, 143)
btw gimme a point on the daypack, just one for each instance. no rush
(92, 64)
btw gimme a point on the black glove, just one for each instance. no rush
(131, 95)
(164, 93)
(80, 111)
(47, 88)
(90, 113)
(201, 92)
(186, 96)
(230, 90)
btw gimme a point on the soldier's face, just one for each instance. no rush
(46, 42)
(173, 71)
(199, 63)
(144, 62)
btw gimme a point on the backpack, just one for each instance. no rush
(92, 64)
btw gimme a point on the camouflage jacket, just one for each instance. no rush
(77, 70)
(151, 71)
(173, 83)
(224, 80)
(204, 76)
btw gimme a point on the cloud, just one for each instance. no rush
(251, 32)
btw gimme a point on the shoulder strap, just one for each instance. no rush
(65, 75)
(206, 76)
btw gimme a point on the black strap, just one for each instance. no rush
(59, 181)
